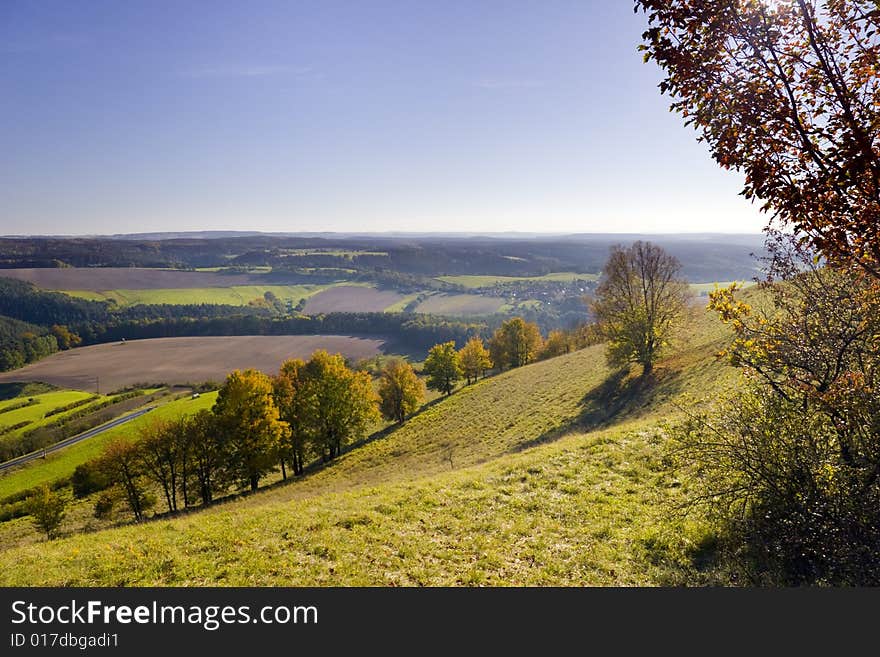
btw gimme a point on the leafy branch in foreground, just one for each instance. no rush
(786, 92)
(790, 466)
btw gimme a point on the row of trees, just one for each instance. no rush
(514, 344)
(22, 343)
(259, 423)
(310, 409)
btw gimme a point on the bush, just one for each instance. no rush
(790, 467)
(104, 506)
(47, 509)
(88, 478)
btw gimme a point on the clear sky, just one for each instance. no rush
(349, 116)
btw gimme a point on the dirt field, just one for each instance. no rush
(460, 304)
(97, 279)
(351, 299)
(180, 360)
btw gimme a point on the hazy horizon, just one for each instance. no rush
(391, 233)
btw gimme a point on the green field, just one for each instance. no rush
(238, 295)
(62, 463)
(470, 281)
(36, 415)
(460, 304)
(705, 288)
(403, 303)
(548, 474)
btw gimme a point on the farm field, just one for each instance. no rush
(62, 463)
(703, 289)
(96, 279)
(180, 360)
(236, 295)
(460, 304)
(351, 298)
(35, 415)
(475, 281)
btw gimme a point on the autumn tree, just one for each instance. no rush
(292, 402)
(207, 454)
(557, 344)
(786, 92)
(516, 343)
(474, 359)
(160, 444)
(248, 420)
(339, 404)
(401, 392)
(121, 464)
(639, 302)
(443, 367)
(790, 465)
(66, 338)
(47, 509)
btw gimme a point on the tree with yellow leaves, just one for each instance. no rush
(249, 422)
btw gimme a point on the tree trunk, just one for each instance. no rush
(167, 496)
(283, 470)
(255, 481)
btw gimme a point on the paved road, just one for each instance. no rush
(74, 439)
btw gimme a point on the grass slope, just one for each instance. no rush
(584, 511)
(556, 477)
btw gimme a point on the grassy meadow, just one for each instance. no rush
(236, 295)
(553, 473)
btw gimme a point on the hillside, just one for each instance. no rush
(549, 474)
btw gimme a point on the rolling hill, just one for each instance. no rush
(548, 474)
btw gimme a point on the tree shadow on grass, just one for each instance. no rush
(622, 395)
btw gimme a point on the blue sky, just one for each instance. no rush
(347, 116)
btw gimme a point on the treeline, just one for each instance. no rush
(24, 301)
(415, 331)
(22, 343)
(311, 410)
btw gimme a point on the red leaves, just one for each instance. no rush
(791, 96)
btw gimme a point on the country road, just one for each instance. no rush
(74, 439)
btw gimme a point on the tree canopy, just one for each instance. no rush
(47, 508)
(339, 404)
(516, 343)
(638, 303)
(401, 392)
(248, 420)
(443, 367)
(787, 92)
(474, 359)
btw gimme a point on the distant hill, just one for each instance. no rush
(706, 257)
